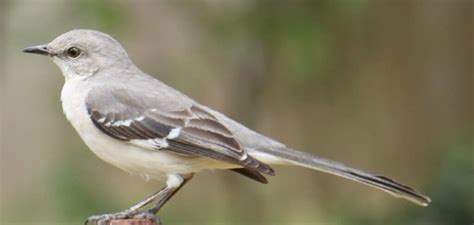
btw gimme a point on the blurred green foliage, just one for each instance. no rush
(76, 194)
(296, 38)
(104, 15)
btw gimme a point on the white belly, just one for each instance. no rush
(154, 164)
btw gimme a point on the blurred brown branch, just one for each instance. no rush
(134, 222)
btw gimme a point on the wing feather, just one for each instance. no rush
(189, 130)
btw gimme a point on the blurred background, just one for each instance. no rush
(382, 85)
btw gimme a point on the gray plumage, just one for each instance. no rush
(143, 126)
(148, 119)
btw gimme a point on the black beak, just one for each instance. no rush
(39, 49)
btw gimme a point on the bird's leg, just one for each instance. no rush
(161, 201)
(174, 182)
(128, 213)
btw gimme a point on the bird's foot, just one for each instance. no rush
(105, 219)
(148, 216)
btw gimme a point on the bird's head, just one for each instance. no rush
(82, 53)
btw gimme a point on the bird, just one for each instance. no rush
(139, 124)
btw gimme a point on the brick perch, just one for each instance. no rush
(134, 222)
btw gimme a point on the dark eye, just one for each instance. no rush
(73, 52)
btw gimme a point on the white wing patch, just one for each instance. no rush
(174, 133)
(121, 122)
(157, 143)
(244, 156)
(153, 144)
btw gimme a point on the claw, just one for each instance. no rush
(104, 218)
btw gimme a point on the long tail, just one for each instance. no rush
(325, 165)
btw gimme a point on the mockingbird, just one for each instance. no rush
(139, 124)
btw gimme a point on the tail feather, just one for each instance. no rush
(325, 165)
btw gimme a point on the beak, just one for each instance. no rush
(39, 49)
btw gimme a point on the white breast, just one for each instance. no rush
(131, 158)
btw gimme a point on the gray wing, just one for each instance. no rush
(178, 126)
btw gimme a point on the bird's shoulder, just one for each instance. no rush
(137, 92)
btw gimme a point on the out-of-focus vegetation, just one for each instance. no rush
(381, 85)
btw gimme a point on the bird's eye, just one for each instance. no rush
(73, 52)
